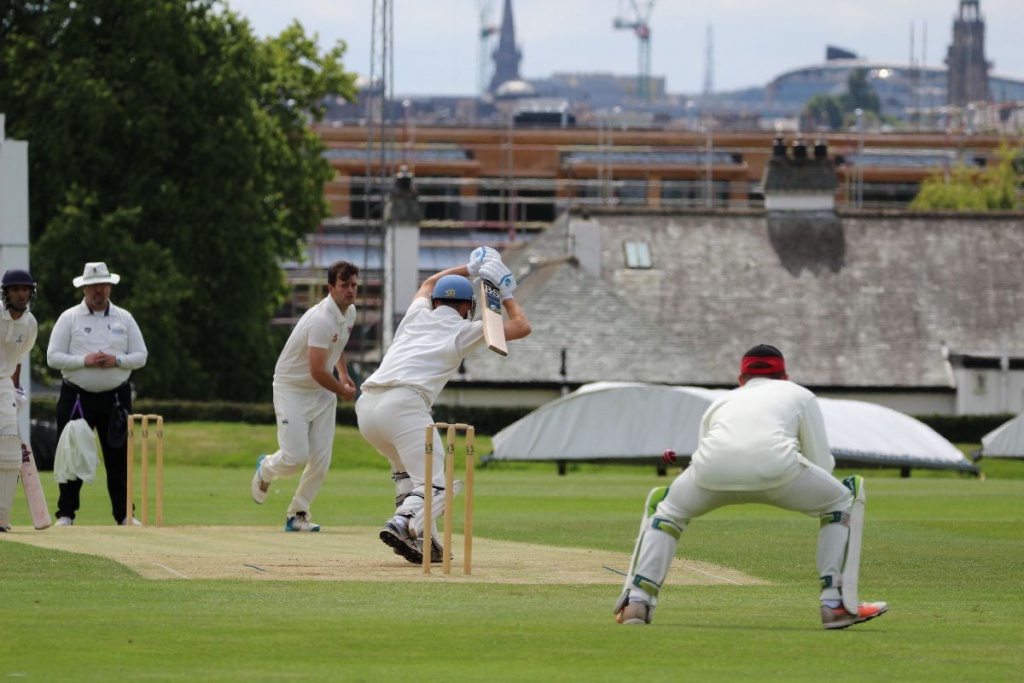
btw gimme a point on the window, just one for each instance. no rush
(638, 255)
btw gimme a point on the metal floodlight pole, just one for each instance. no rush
(380, 150)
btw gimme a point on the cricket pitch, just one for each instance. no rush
(342, 554)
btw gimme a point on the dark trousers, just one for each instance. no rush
(97, 408)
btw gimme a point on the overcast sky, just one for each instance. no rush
(436, 44)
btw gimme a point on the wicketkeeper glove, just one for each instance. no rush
(498, 274)
(480, 256)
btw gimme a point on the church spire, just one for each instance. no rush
(507, 56)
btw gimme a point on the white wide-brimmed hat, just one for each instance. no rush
(96, 274)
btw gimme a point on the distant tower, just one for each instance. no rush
(967, 66)
(709, 64)
(507, 56)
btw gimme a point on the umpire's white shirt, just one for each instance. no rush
(324, 327)
(79, 332)
(760, 436)
(428, 348)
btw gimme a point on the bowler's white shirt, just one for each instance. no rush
(427, 350)
(759, 437)
(324, 327)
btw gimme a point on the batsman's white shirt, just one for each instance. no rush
(427, 350)
(324, 327)
(17, 337)
(758, 436)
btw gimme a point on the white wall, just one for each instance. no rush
(14, 223)
(988, 391)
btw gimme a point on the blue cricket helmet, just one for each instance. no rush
(452, 288)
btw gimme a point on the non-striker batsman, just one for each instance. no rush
(18, 331)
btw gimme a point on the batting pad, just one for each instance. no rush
(10, 468)
(10, 451)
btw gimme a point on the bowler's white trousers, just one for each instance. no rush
(305, 438)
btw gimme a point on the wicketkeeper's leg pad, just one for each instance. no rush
(652, 555)
(839, 544)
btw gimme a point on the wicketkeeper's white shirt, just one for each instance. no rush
(427, 350)
(758, 436)
(324, 327)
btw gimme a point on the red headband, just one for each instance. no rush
(774, 363)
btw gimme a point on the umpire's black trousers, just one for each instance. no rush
(98, 408)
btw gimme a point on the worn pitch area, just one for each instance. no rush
(341, 554)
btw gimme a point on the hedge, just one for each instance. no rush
(487, 420)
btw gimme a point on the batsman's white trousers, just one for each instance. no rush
(814, 492)
(305, 437)
(395, 422)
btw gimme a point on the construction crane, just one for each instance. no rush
(487, 32)
(638, 22)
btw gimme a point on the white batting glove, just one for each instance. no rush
(498, 274)
(480, 256)
(507, 286)
(494, 271)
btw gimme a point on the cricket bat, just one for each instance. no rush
(490, 314)
(34, 490)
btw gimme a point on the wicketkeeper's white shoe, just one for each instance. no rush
(259, 487)
(838, 617)
(637, 613)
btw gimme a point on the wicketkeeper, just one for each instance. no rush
(761, 443)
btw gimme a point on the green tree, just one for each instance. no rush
(996, 188)
(837, 111)
(823, 111)
(860, 95)
(168, 141)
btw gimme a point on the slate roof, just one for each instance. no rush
(601, 334)
(858, 300)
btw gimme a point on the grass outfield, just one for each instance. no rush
(946, 551)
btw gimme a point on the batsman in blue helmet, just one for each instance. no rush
(394, 408)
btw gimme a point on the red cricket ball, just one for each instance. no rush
(669, 456)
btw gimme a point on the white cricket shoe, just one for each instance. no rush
(395, 534)
(300, 522)
(635, 613)
(64, 521)
(838, 617)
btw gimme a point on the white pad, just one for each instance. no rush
(10, 468)
(851, 566)
(652, 554)
(413, 506)
(8, 484)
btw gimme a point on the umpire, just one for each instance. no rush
(96, 345)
